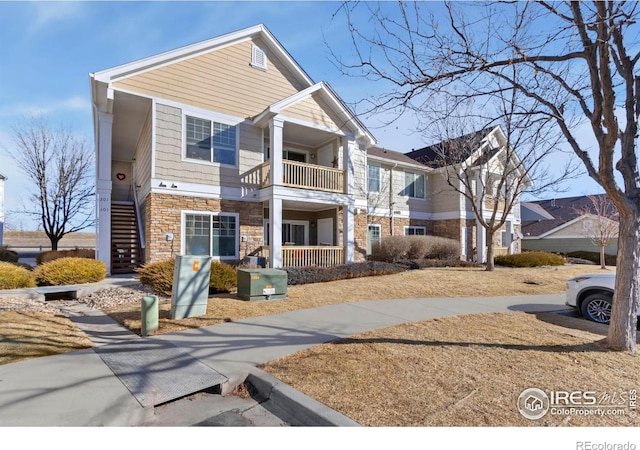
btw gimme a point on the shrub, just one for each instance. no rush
(15, 277)
(398, 248)
(442, 248)
(224, 278)
(70, 271)
(391, 249)
(314, 274)
(159, 276)
(610, 260)
(52, 255)
(8, 255)
(530, 259)
(418, 247)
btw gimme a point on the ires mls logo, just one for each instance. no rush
(533, 403)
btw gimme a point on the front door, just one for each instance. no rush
(325, 231)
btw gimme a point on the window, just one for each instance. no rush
(294, 232)
(373, 237)
(413, 185)
(415, 231)
(211, 234)
(210, 141)
(374, 178)
(258, 58)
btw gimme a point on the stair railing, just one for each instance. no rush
(134, 194)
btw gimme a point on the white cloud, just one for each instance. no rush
(49, 13)
(75, 103)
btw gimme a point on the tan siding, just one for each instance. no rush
(313, 110)
(443, 197)
(221, 81)
(574, 230)
(169, 162)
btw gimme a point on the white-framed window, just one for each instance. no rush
(374, 237)
(415, 231)
(414, 185)
(211, 234)
(210, 141)
(258, 57)
(294, 232)
(373, 180)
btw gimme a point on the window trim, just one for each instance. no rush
(211, 214)
(414, 227)
(211, 118)
(424, 184)
(377, 166)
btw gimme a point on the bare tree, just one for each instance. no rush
(494, 166)
(577, 64)
(60, 167)
(602, 227)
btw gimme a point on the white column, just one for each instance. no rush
(348, 151)
(275, 141)
(509, 232)
(348, 232)
(481, 235)
(275, 232)
(481, 242)
(103, 189)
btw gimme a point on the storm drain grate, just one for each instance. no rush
(156, 371)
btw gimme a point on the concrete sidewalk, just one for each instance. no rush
(78, 389)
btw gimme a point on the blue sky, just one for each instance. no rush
(48, 50)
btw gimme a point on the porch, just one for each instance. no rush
(306, 176)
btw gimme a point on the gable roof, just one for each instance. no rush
(464, 147)
(325, 90)
(377, 153)
(189, 51)
(562, 212)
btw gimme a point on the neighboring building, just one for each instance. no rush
(2, 179)
(227, 148)
(561, 225)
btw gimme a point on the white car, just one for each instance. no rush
(592, 295)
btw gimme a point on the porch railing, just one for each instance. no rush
(323, 256)
(306, 176)
(298, 256)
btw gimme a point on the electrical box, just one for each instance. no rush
(190, 291)
(262, 284)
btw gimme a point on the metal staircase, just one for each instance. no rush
(126, 251)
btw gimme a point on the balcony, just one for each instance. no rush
(305, 176)
(312, 255)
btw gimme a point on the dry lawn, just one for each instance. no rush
(462, 371)
(31, 335)
(436, 282)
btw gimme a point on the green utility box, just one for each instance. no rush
(262, 284)
(190, 292)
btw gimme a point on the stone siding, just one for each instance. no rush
(163, 214)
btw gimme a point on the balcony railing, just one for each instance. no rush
(306, 176)
(299, 256)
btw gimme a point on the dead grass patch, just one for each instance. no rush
(32, 335)
(461, 371)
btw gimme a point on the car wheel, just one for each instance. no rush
(597, 307)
